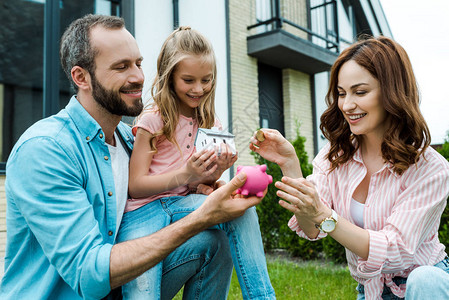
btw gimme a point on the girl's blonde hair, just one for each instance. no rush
(181, 43)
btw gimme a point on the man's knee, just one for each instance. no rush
(214, 242)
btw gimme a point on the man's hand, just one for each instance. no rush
(224, 204)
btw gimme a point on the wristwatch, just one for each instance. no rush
(328, 224)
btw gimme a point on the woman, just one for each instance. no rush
(377, 187)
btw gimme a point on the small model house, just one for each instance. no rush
(208, 138)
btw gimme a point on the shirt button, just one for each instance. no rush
(188, 146)
(110, 233)
(101, 135)
(190, 123)
(106, 158)
(110, 194)
(87, 138)
(190, 134)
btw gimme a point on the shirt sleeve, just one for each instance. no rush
(319, 178)
(46, 183)
(412, 226)
(151, 121)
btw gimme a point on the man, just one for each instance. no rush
(66, 188)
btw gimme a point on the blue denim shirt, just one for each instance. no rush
(61, 209)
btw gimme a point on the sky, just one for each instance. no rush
(422, 28)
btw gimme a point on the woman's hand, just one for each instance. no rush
(277, 149)
(274, 148)
(301, 198)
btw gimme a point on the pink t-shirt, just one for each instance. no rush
(168, 156)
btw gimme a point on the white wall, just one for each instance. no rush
(209, 18)
(153, 23)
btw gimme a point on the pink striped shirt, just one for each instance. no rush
(402, 215)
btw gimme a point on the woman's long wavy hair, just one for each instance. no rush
(408, 135)
(180, 44)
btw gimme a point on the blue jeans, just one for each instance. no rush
(425, 282)
(244, 238)
(203, 265)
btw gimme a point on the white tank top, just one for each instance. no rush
(357, 209)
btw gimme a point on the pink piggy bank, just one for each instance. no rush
(257, 180)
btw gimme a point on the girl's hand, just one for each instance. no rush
(201, 164)
(207, 189)
(274, 148)
(301, 198)
(225, 159)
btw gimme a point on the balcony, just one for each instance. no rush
(309, 47)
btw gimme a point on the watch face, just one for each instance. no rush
(328, 225)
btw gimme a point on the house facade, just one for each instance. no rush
(273, 59)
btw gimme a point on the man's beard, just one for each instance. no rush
(112, 101)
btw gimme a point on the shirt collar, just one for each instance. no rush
(85, 123)
(389, 166)
(358, 155)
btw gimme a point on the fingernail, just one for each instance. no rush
(241, 175)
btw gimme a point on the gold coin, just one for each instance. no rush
(260, 136)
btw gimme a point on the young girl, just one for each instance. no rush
(377, 188)
(164, 168)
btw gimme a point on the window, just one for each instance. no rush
(24, 76)
(264, 12)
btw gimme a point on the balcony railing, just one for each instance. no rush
(319, 23)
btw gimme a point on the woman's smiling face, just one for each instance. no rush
(359, 99)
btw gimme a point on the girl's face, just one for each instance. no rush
(192, 80)
(359, 99)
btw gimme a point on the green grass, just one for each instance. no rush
(303, 280)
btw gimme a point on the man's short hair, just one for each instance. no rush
(76, 49)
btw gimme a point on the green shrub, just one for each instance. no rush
(273, 218)
(444, 150)
(443, 232)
